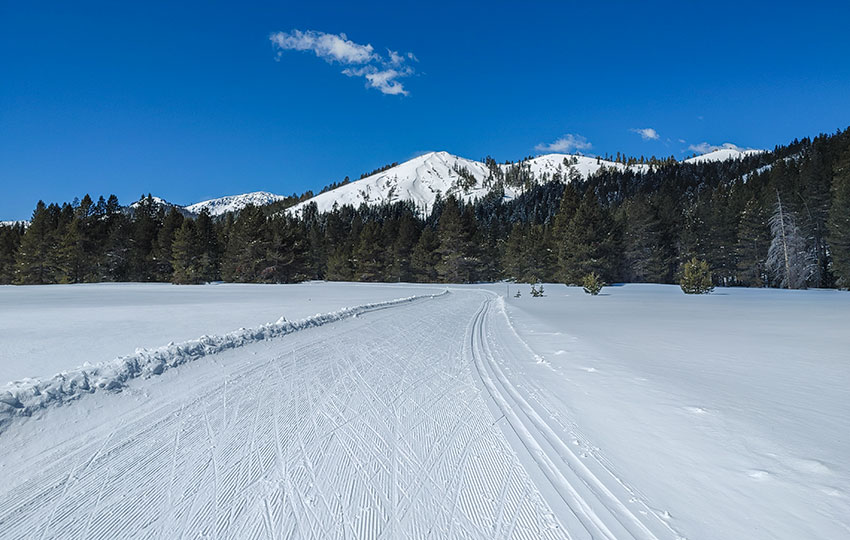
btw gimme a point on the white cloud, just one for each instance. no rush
(330, 47)
(647, 134)
(382, 80)
(380, 73)
(567, 143)
(704, 147)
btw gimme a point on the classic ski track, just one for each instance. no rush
(373, 427)
(589, 499)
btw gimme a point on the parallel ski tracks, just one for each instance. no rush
(601, 514)
(374, 427)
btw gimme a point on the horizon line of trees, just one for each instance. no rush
(769, 220)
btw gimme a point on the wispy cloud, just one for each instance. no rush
(647, 134)
(704, 147)
(381, 72)
(568, 143)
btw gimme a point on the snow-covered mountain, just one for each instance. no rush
(162, 203)
(217, 207)
(724, 154)
(418, 180)
(234, 203)
(422, 178)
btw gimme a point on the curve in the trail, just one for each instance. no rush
(20, 399)
(373, 427)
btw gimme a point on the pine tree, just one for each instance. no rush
(402, 252)
(696, 277)
(10, 240)
(369, 256)
(185, 255)
(839, 221)
(592, 284)
(426, 256)
(208, 245)
(285, 258)
(751, 246)
(645, 258)
(36, 258)
(73, 263)
(591, 243)
(247, 247)
(161, 253)
(457, 229)
(147, 220)
(567, 208)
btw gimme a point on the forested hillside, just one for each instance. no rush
(779, 218)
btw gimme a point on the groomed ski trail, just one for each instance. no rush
(371, 427)
(584, 501)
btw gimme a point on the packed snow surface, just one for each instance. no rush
(48, 329)
(640, 413)
(234, 203)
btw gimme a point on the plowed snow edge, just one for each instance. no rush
(23, 398)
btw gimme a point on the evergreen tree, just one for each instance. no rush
(247, 247)
(751, 246)
(147, 220)
(36, 261)
(591, 242)
(285, 259)
(209, 262)
(426, 256)
(10, 240)
(567, 208)
(161, 253)
(73, 256)
(839, 221)
(185, 255)
(645, 258)
(458, 258)
(696, 277)
(402, 252)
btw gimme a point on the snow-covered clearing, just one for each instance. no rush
(641, 413)
(46, 329)
(730, 411)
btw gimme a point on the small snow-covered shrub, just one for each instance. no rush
(696, 278)
(592, 283)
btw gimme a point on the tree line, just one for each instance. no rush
(781, 218)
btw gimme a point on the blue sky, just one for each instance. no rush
(204, 99)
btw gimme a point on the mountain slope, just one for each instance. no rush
(418, 180)
(422, 178)
(724, 154)
(234, 203)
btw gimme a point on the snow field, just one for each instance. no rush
(45, 330)
(22, 398)
(725, 414)
(371, 427)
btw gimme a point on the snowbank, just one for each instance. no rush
(23, 398)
